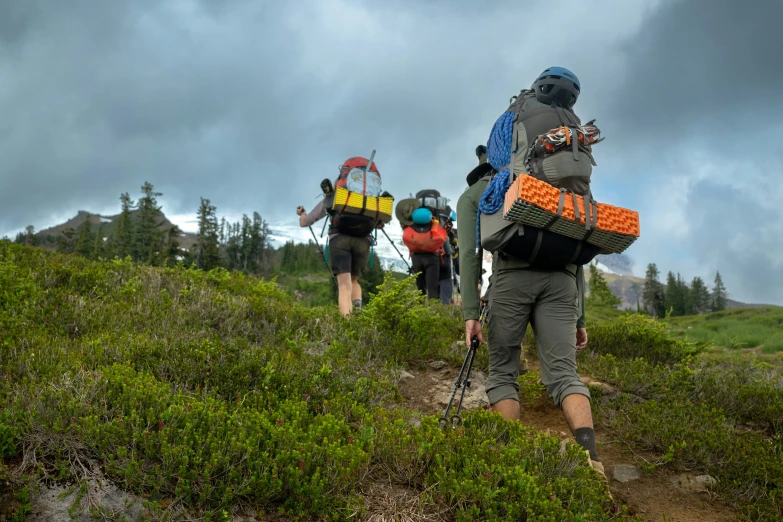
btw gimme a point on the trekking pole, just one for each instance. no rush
(323, 256)
(463, 379)
(324, 227)
(395, 248)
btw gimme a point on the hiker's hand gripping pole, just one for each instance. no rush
(301, 211)
(463, 379)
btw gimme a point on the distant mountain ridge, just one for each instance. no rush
(187, 239)
(629, 289)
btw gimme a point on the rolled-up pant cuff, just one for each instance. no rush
(557, 398)
(502, 392)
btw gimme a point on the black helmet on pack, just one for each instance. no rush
(557, 85)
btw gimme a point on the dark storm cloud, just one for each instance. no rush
(247, 103)
(734, 234)
(701, 90)
(703, 69)
(251, 103)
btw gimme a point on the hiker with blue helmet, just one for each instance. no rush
(536, 288)
(426, 239)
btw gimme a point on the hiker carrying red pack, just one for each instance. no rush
(356, 208)
(426, 240)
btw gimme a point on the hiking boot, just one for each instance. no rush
(599, 467)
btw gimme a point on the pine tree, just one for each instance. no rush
(676, 295)
(148, 238)
(653, 293)
(84, 238)
(258, 248)
(686, 304)
(98, 246)
(171, 247)
(66, 242)
(122, 240)
(700, 296)
(29, 236)
(719, 296)
(245, 250)
(599, 290)
(233, 246)
(207, 248)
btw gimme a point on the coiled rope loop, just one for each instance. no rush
(499, 156)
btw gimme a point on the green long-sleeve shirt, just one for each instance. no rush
(470, 261)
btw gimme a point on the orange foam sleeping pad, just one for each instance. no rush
(618, 224)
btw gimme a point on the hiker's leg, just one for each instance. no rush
(576, 409)
(555, 328)
(432, 273)
(340, 254)
(344, 293)
(418, 268)
(446, 287)
(510, 309)
(360, 254)
(356, 289)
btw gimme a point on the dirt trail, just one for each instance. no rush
(655, 496)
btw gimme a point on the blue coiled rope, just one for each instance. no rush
(498, 155)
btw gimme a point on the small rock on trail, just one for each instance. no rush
(626, 473)
(694, 483)
(405, 376)
(438, 365)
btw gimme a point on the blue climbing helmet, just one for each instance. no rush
(557, 85)
(422, 216)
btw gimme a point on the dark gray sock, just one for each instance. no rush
(586, 438)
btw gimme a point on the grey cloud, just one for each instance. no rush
(734, 233)
(706, 68)
(251, 103)
(241, 101)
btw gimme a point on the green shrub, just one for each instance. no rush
(747, 468)
(636, 335)
(400, 325)
(218, 389)
(8, 435)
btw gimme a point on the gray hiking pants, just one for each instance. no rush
(548, 301)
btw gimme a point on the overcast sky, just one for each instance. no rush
(252, 103)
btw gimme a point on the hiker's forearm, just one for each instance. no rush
(469, 262)
(314, 215)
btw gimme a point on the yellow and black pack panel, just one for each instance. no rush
(404, 210)
(379, 208)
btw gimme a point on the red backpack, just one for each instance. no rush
(425, 239)
(355, 178)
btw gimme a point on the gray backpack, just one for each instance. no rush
(569, 169)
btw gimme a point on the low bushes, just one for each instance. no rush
(721, 415)
(215, 389)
